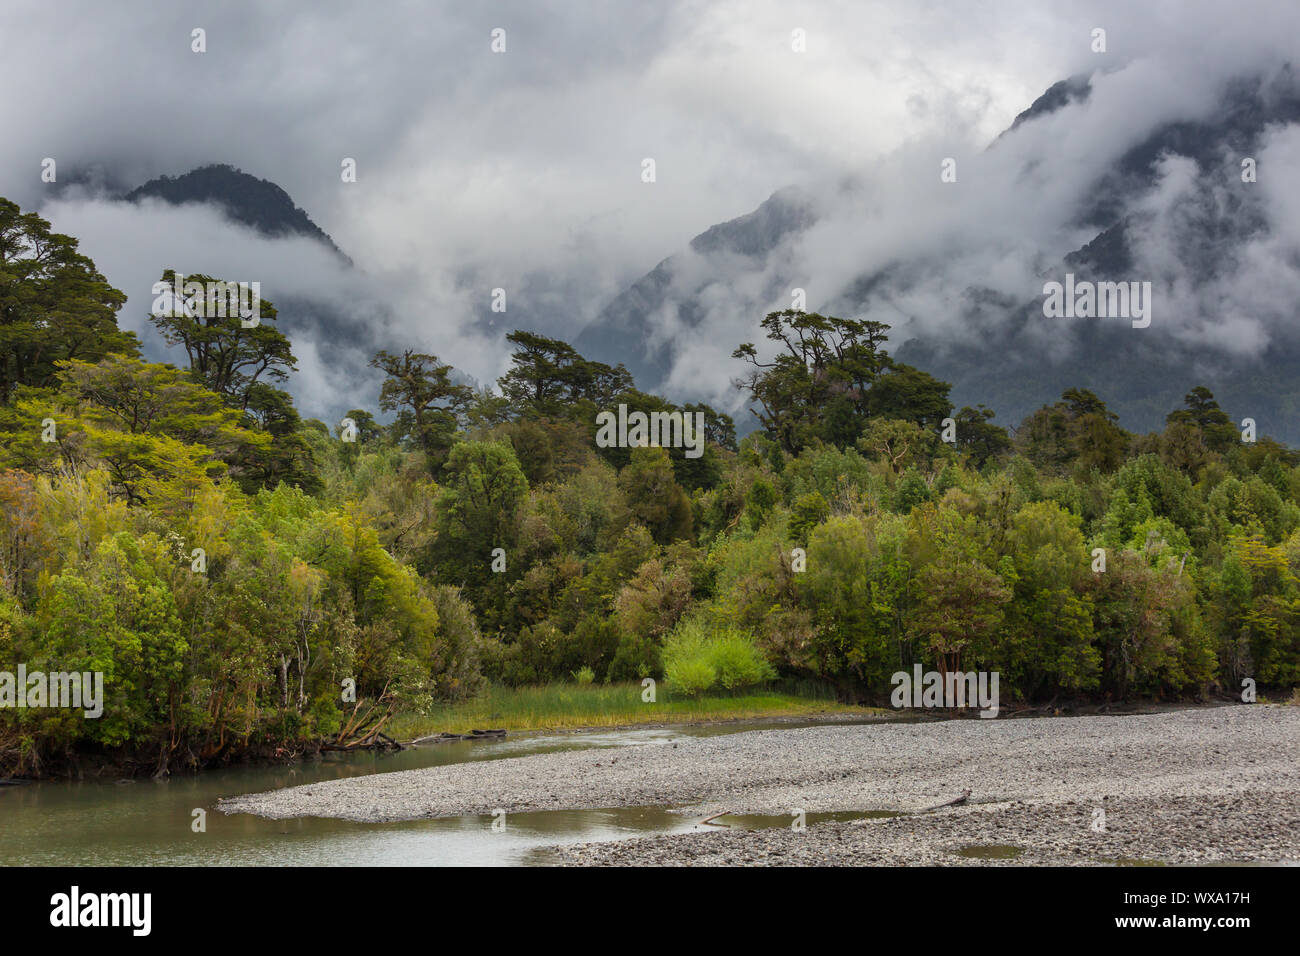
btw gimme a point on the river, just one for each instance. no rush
(150, 823)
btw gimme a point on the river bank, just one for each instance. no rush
(553, 708)
(573, 706)
(1253, 826)
(1030, 780)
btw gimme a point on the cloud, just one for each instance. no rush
(521, 170)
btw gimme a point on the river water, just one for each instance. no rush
(147, 822)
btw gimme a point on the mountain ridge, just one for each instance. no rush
(1141, 378)
(258, 203)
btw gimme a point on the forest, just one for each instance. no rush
(247, 579)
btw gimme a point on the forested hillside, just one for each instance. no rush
(232, 568)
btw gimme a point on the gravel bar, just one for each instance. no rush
(1232, 770)
(1251, 827)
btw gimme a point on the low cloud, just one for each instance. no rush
(521, 170)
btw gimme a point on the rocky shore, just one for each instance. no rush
(1201, 784)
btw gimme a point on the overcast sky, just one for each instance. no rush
(477, 169)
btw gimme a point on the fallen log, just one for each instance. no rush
(956, 801)
(372, 742)
(472, 735)
(438, 738)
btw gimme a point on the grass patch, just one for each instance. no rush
(561, 706)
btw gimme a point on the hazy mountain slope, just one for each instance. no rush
(1170, 209)
(631, 328)
(254, 202)
(1143, 375)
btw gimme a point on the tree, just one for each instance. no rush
(654, 497)
(240, 364)
(899, 443)
(1149, 633)
(24, 541)
(150, 426)
(825, 368)
(289, 456)
(719, 429)
(856, 586)
(54, 304)
(1203, 413)
(227, 357)
(978, 438)
(428, 402)
(1047, 644)
(907, 393)
(368, 430)
(958, 603)
(1077, 433)
(549, 377)
(482, 490)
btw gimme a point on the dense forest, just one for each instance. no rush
(233, 569)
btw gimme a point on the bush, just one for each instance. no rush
(691, 675)
(738, 662)
(637, 657)
(697, 658)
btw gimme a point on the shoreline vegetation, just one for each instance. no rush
(251, 583)
(574, 706)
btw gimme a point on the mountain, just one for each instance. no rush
(333, 337)
(636, 312)
(1172, 209)
(1144, 376)
(254, 202)
(1058, 95)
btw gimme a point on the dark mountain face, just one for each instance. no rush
(625, 329)
(1058, 95)
(335, 336)
(246, 199)
(1196, 248)
(1145, 376)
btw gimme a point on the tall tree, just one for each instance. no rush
(1203, 413)
(54, 304)
(1077, 433)
(155, 431)
(429, 404)
(548, 376)
(226, 356)
(819, 384)
(978, 437)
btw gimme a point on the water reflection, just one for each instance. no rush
(148, 822)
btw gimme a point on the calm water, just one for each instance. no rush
(148, 822)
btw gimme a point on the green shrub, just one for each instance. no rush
(637, 657)
(738, 662)
(697, 658)
(691, 675)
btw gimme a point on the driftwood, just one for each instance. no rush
(436, 739)
(372, 741)
(714, 817)
(472, 735)
(957, 801)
